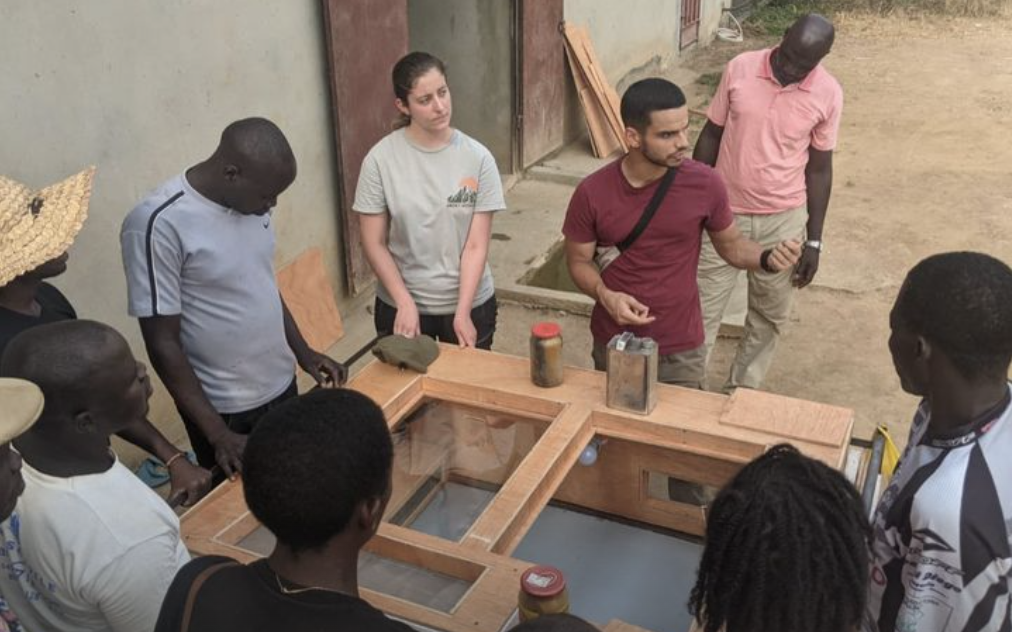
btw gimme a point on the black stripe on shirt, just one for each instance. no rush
(149, 250)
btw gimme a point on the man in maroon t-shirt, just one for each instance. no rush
(650, 289)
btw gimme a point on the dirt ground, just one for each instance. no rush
(924, 165)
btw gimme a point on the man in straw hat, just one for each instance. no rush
(198, 254)
(89, 547)
(22, 406)
(36, 230)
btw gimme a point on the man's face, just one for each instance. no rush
(255, 190)
(665, 142)
(793, 61)
(429, 104)
(905, 348)
(11, 481)
(54, 267)
(121, 391)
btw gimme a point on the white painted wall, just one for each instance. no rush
(628, 33)
(143, 88)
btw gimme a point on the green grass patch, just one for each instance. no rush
(775, 17)
(709, 80)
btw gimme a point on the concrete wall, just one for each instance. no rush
(630, 33)
(473, 39)
(709, 19)
(143, 89)
(635, 39)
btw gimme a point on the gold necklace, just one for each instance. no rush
(296, 591)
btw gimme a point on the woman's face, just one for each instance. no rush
(428, 102)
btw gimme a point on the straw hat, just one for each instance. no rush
(37, 226)
(22, 406)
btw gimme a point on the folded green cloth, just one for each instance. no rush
(154, 473)
(412, 353)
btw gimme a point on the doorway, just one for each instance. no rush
(476, 42)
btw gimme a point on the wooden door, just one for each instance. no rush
(542, 79)
(365, 38)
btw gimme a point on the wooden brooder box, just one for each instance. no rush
(480, 452)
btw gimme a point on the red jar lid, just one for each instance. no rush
(546, 330)
(542, 581)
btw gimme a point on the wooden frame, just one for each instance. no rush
(691, 435)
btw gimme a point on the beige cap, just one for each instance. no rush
(38, 226)
(21, 406)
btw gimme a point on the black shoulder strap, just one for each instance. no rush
(648, 212)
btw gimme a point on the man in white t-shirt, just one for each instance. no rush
(88, 547)
(198, 253)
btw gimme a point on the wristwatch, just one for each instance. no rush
(814, 243)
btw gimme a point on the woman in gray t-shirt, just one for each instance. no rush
(425, 198)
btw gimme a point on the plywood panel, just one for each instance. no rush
(599, 99)
(365, 38)
(542, 80)
(310, 299)
(616, 484)
(812, 422)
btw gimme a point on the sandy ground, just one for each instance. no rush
(923, 166)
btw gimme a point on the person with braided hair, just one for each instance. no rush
(786, 550)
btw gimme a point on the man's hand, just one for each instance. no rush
(189, 483)
(407, 323)
(228, 449)
(785, 255)
(807, 267)
(624, 309)
(463, 327)
(325, 370)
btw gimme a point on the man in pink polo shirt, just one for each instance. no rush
(771, 132)
(650, 288)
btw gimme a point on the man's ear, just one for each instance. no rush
(633, 139)
(231, 172)
(370, 514)
(84, 423)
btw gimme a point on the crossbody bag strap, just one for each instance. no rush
(648, 213)
(198, 582)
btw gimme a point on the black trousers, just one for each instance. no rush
(241, 422)
(440, 326)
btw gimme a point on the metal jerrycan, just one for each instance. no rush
(632, 373)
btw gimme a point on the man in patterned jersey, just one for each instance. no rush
(941, 559)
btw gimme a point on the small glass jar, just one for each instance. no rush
(542, 591)
(546, 354)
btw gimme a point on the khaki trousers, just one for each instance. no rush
(770, 295)
(685, 368)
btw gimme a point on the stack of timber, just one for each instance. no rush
(597, 96)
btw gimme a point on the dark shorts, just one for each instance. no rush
(241, 423)
(440, 326)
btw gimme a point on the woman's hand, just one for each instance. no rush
(465, 330)
(407, 323)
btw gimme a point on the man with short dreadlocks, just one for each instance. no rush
(786, 550)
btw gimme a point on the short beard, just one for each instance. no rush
(654, 160)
